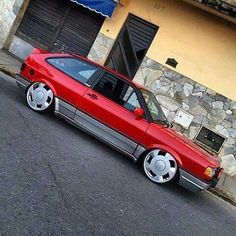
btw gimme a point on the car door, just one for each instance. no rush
(109, 106)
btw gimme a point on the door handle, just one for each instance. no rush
(92, 96)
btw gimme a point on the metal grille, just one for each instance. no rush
(41, 22)
(210, 140)
(60, 26)
(79, 31)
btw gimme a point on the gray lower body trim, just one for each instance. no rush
(192, 183)
(139, 151)
(22, 83)
(104, 132)
(97, 129)
(64, 108)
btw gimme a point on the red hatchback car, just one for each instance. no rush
(119, 112)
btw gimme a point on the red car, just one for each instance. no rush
(119, 112)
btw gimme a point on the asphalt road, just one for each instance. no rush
(57, 180)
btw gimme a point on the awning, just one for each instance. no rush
(103, 7)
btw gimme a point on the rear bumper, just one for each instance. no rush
(194, 184)
(22, 83)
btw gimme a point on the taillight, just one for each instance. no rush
(23, 66)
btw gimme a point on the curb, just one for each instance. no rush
(7, 71)
(219, 193)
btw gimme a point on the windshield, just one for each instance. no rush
(154, 107)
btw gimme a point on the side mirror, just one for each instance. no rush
(139, 112)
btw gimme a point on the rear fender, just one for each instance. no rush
(48, 84)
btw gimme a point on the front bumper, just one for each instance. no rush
(22, 83)
(194, 184)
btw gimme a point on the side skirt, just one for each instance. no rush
(98, 130)
(22, 83)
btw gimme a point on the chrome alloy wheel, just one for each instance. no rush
(39, 96)
(160, 166)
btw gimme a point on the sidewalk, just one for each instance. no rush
(9, 64)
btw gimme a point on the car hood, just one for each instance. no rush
(214, 160)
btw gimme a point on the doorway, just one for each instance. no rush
(131, 46)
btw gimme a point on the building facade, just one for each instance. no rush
(184, 51)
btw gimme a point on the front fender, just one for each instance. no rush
(167, 149)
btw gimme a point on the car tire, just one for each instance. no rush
(40, 97)
(160, 166)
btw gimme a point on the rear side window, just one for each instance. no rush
(74, 67)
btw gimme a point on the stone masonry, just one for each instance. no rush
(101, 48)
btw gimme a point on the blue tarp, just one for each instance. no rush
(104, 7)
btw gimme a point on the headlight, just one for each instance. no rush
(210, 172)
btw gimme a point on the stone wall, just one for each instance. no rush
(8, 12)
(175, 91)
(101, 48)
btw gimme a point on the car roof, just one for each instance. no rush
(96, 64)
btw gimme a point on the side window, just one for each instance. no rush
(118, 91)
(74, 67)
(132, 102)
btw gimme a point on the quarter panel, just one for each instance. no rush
(63, 86)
